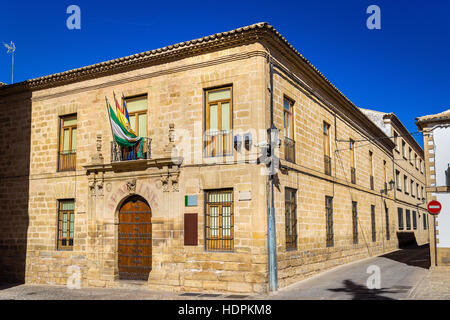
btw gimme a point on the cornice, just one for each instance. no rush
(405, 133)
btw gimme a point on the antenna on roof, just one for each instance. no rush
(11, 49)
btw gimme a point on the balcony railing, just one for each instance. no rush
(119, 153)
(218, 143)
(327, 164)
(289, 149)
(353, 175)
(67, 160)
(372, 187)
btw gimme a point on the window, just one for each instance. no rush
(219, 122)
(352, 161)
(412, 189)
(388, 234)
(371, 170)
(290, 207)
(396, 140)
(372, 217)
(417, 191)
(425, 216)
(329, 220)
(410, 156)
(414, 216)
(67, 143)
(408, 220)
(397, 180)
(384, 175)
(355, 221)
(404, 149)
(288, 120)
(400, 219)
(405, 184)
(326, 148)
(422, 192)
(66, 221)
(415, 160)
(421, 165)
(137, 111)
(219, 226)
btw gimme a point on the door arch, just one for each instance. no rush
(135, 239)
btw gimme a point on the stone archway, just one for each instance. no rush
(135, 239)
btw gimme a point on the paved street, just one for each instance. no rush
(404, 274)
(400, 272)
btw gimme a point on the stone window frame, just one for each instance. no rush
(290, 218)
(221, 243)
(227, 138)
(69, 157)
(329, 221)
(59, 223)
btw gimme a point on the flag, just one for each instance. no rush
(123, 117)
(125, 108)
(122, 135)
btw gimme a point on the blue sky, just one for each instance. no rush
(402, 68)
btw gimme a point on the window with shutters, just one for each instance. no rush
(326, 148)
(67, 143)
(400, 219)
(373, 223)
(371, 180)
(388, 232)
(425, 217)
(66, 224)
(408, 219)
(329, 221)
(218, 136)
(137, 112)
(219, 220)
(288, 121)
(290, 207)
(398, 182)
(355, 221)
(352, 161)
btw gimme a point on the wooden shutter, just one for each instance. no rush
(190, 229)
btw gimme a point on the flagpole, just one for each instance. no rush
(110, 125)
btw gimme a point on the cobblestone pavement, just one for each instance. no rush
(434, 286)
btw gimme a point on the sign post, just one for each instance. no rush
(434, 207)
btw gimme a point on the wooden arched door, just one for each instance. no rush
(135, 239)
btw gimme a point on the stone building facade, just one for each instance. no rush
(409, 178)
(436, 138)
(200, 193)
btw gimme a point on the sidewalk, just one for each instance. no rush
(52, 292)
(434, 286)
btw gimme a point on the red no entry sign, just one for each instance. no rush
(434, 207)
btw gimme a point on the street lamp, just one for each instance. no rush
(391, 186)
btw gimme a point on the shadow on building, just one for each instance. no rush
(15, 133)
(412, 255)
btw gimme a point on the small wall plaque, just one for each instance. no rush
(190, 201)
(245, 195)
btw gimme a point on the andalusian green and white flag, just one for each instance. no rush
(122, 136)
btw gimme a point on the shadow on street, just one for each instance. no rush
(361, 292)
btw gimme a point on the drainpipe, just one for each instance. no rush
(272, 255)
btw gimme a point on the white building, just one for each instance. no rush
(436, 136)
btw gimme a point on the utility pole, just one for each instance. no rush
(272, 240)
(11, 49)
